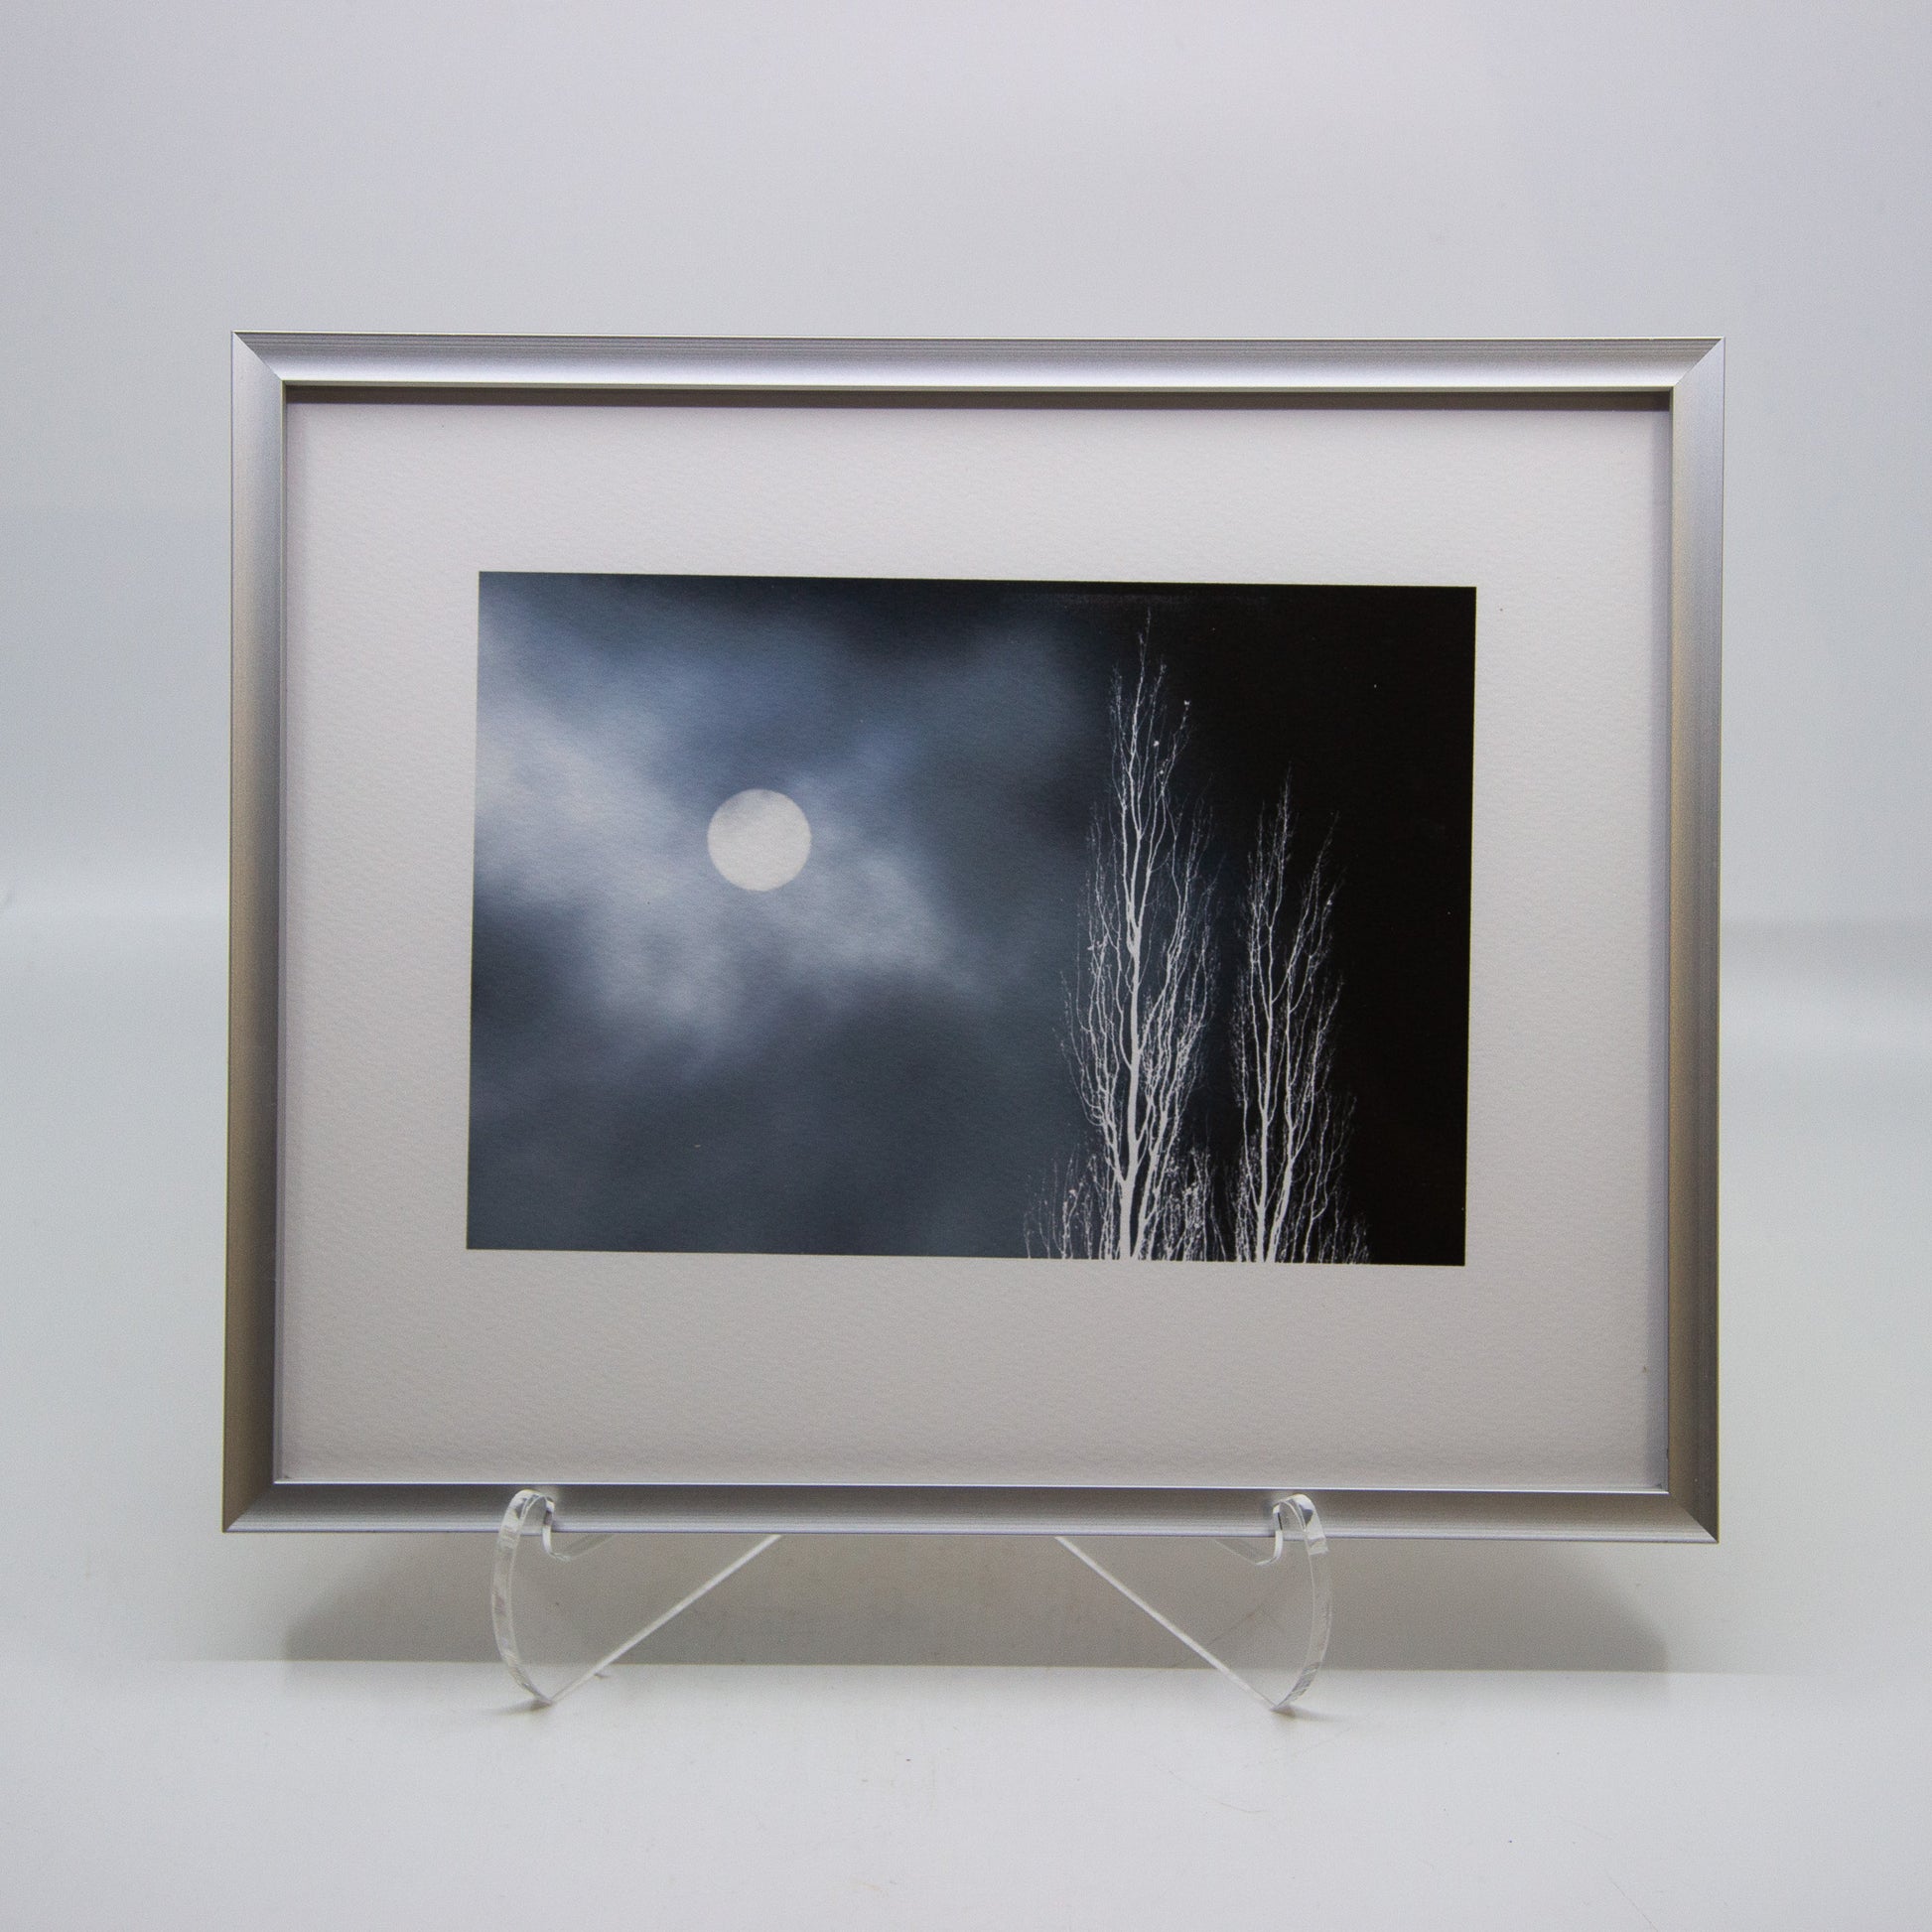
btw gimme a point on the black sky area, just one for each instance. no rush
(869, 1059)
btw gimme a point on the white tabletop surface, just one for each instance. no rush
(424, 1796)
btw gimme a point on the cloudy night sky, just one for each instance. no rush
(869, 1057)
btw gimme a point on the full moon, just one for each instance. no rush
(759, 840)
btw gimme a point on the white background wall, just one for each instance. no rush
(175, 173)
(1438, 167)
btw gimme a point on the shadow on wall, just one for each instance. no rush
(1016, 1601)
(1403, 1606)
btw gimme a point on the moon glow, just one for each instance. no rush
(759, 840)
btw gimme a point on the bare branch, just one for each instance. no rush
(1138, 1012)
(1138, 1018)
(1289, 1202)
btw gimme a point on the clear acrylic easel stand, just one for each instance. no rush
(567, 1607)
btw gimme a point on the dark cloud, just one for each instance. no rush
(862, 1060)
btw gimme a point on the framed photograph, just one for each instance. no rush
(975, 935)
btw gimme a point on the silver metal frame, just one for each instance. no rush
(1685, 376)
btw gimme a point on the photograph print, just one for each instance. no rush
(887, 917)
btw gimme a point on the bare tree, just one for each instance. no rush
(1289, 1204)
(1138, 1012)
